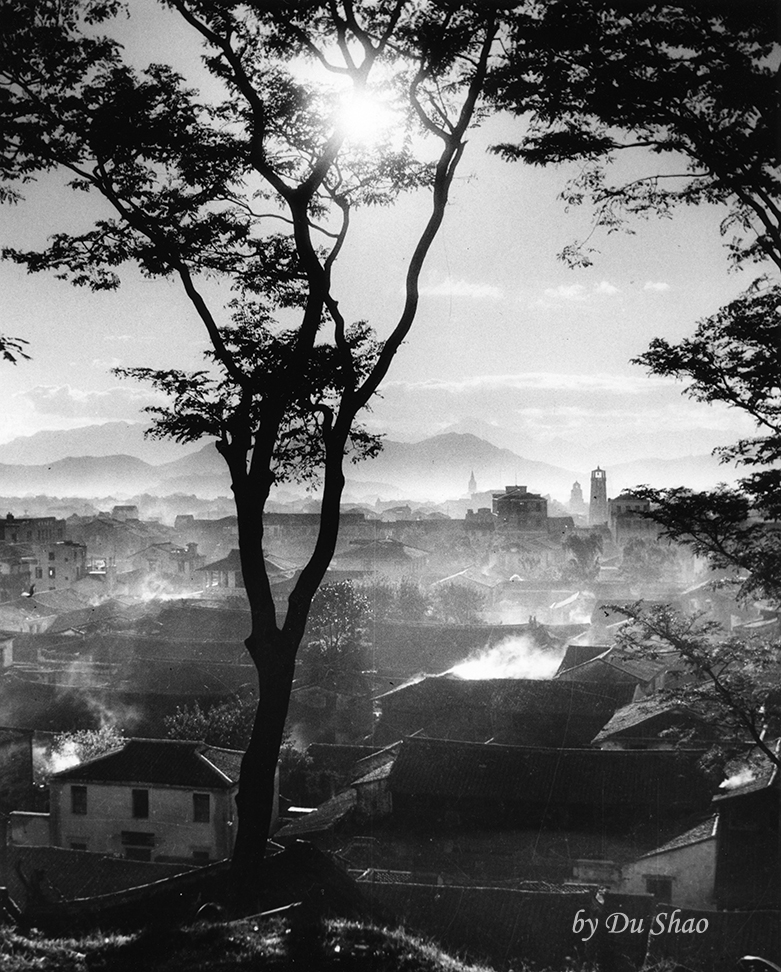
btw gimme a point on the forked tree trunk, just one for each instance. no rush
(275, 666)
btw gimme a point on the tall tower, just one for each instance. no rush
(576, 502)
(597, 508)
(472, 483)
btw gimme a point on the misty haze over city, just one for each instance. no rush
(389, 486)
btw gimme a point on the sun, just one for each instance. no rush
(366, 118)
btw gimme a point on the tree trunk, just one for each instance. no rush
(275, 665)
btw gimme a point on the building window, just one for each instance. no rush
(78, 845)
(51, 572)
(201, 808)
(79, 800)
(51, 556)
(140, 804)
(660, 887)
(137, 845)
(201, 855)
(39, 573)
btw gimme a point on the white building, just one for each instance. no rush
(152, 800)
(681, 872)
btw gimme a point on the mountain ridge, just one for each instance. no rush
(437, 468)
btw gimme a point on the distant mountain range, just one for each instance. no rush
(436, 468)
(108, 439)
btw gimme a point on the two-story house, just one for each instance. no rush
(151, 800)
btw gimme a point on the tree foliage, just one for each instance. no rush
(734, 357)
(645, 562)
(253, 185)
(335, 642)
(403, 600)
(458, 605)
(732, 685)
(227, 725)
(583, 563)
(695, 83)
(12, 349)
(71, 748)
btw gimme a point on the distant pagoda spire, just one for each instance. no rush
(472, 483)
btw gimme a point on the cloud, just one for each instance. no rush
(567, 292)
(542, 381)
(575, 292)
(118, 402)
(105, 364)
(657, 286)
(463, 288)
(118, 337)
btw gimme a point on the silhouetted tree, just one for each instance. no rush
(695, 83)
(254, 184)
(734, 357)
(732, 684)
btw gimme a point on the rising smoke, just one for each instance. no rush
(515, 657)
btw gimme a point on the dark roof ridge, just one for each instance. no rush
(493, 747)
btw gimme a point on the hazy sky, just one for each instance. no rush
(509, 342)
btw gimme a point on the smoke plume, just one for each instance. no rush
(511, 658)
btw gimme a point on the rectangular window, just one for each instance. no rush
(140, 804)
(78, 845)
(661, 888)
(201, 808)
(79, 800)
(201, 856)
(39, 573)
(137, 845)
(51, 555)
(51, 572)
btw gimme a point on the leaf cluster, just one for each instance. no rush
(12, 349)
(213, 403)
(337, 617)
(694, 84)
(227, 724)
(734, 357)
(734, 686)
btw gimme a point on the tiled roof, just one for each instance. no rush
(59, 601)
(162, 762)
(750, 775)
(596, 777)
(527, 695)
(233, 562)
(227, 761)
(632, 666)
(381, 772)
(191, 622)
(324, 818)
(703, 831)
(636, 713)
(338, 758)
(577, 653)
(69, 874)
(473, 574)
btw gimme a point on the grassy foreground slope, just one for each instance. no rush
(241, 946)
